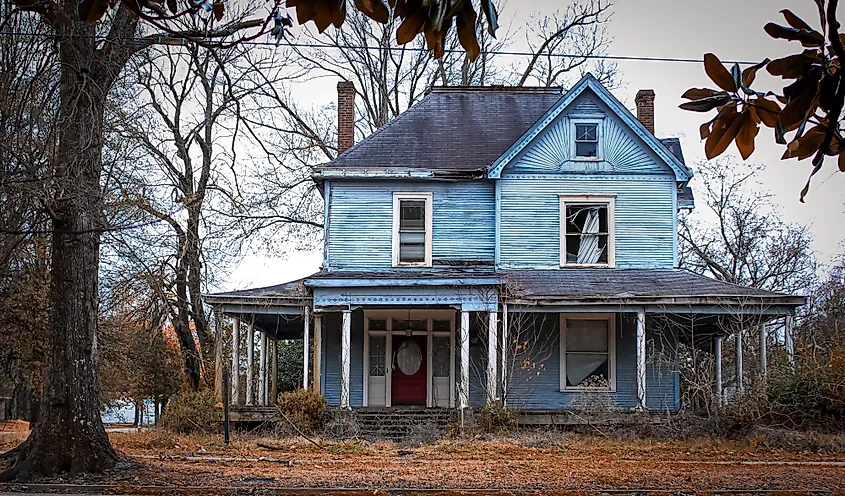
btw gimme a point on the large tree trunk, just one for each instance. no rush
(69, 436)
(190, 354)
(193, 262)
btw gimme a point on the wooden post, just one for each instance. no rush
(250, 364)
(787, 338)
(641, 348)
(236, 362)
(463, 396)
(718, 358)
(763, 344)
(306, 351)
(492, 355)
(345, 344)
(262, 370)
(274, 372)
(226, 401)
(505, 345)
(218, 356)
(739, 385)
(318, 345)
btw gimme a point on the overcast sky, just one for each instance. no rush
(655, 28)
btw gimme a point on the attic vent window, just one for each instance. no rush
(587, 140)
(587, 232)
(412, 229)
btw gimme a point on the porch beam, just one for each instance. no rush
(463, 394)
(262, 371)
(250, 363)
(236, 362)
(763, 357)
(318, 352)
(641, 398)
(739, 384)
(306, 347)
(492, 356)
(718, 359)
(787, 338)
(345, 344)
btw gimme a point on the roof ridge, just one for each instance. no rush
(499, 88)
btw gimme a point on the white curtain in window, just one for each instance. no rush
(589, 251)
(579, 367)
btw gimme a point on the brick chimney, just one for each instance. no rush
(645, 108)
(345, 116)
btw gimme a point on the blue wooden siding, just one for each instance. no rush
(360, 222)
(529, 389)
(331, 358)
(621, 150)
(529, 231)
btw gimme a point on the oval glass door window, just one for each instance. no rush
(409, 357)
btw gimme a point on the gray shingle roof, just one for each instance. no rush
(292, 289)
(461, 129)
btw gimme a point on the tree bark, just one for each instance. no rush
(70, 437)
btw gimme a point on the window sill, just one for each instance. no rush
(587, 390)
(586, 266)
(586, 159)
(412, 266)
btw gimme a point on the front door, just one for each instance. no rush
(408, 386)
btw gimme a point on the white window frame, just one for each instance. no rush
(587, 120)
(590, 199)
(397, 198)
(611, 345)
(428, 315)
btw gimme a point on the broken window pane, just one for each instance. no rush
(586, 234)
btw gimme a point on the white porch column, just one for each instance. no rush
(718, 359)
(273, 372)
(463, 393)
(640, 359)
(492, 356)
(504, 354)
(250, 363)
(318, 351)
(763, 343)
(262, 371)
(787, 338)
(306, 347)
(739, 385)
(345, 344)
(236, 362)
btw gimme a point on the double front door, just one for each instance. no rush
(409, 358)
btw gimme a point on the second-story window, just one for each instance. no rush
(412, 229)
(587, 232)
(586, 139)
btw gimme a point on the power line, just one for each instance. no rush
(170, 40)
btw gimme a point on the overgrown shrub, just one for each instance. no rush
(191, 412)
(306, 408)
(494, 418)
(343, 425)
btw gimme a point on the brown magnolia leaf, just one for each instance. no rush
(217, 9)
(747, 132)
(171, 5)
(766, 110)
(795, 21)
(305, 10)
(374, 9)
(807, 38)
(717, 72)
(707, 104)
(842, 161)
(411, 27)
(796, 111)
(704, 130)
(699, 93)
(92, 11)
(806, 145)
(725, 128)
(792, 66)
(750, 73)
(466, 30)
(132, 5)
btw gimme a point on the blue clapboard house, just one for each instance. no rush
(493, 244)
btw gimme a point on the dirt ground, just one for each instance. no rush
(548, 461)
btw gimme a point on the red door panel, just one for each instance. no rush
(409, 388)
